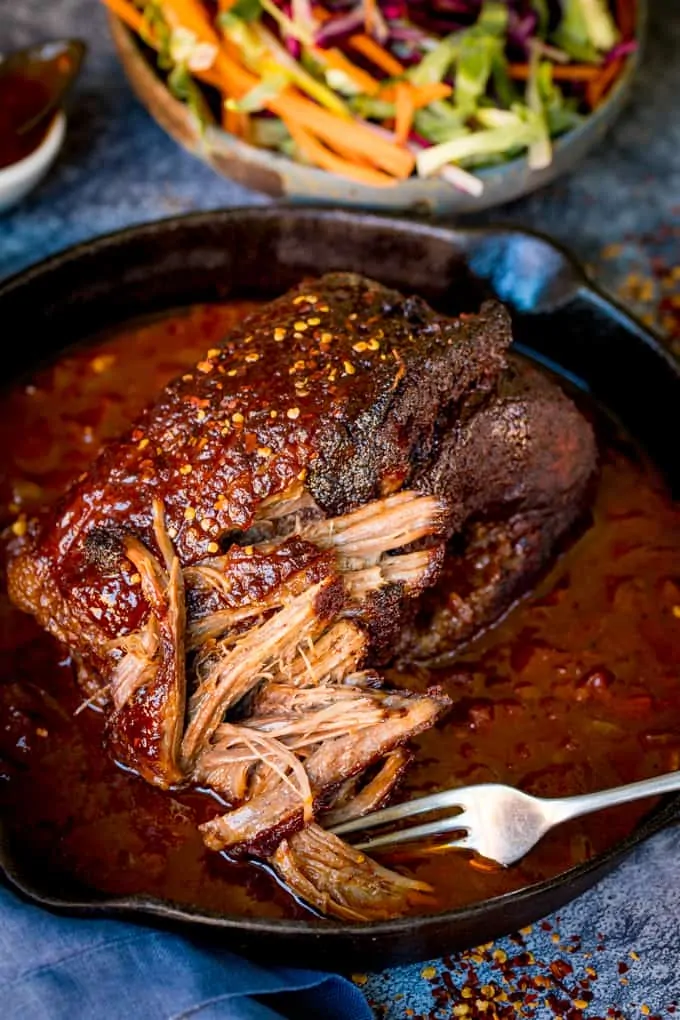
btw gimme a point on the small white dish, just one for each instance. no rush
(19, 178)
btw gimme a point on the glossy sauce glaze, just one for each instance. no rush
(574, 691)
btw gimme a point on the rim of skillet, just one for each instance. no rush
(660, 816)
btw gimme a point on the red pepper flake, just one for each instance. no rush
(204, 366)
(102, 362)
(19, 527)
(560, 969)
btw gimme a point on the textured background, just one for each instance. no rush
(615, 952)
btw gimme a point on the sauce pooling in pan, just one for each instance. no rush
(574, 691)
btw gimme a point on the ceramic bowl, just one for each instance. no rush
(276, 175)
(19, 178)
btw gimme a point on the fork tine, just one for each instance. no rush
(415, 832)
(434, 802)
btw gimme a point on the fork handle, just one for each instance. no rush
(563, 808)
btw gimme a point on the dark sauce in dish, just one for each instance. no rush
(21, 98)
(577, 689)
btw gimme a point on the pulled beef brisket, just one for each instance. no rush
(338, 880)
(258, 825)
(354, 799)
(147, 684)
(227, 570)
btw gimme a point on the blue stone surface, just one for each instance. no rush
(620, 213)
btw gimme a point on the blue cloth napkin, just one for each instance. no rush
(54, 967)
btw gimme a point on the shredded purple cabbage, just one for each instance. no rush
(337, 30)
(406, 33)
(622, 49)
(521, 28)
(419, 140)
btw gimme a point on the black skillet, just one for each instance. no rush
(257, 252)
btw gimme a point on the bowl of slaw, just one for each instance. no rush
(430, 106)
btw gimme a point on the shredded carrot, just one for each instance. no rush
(626, 16)
(235, 122)
(352, 134)
(560, 72)
(349, 152)
(322, 157)
(235, 81)
(131, 17)
(129, 14)
(337, 60)
(210, 77)
(422, 95)
(191, 15)
(404, 111)
(379, 56)
(597, 89)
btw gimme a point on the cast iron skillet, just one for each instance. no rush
(256, 252)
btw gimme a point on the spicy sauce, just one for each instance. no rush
(576, 690)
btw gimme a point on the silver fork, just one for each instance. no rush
(502, 824)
